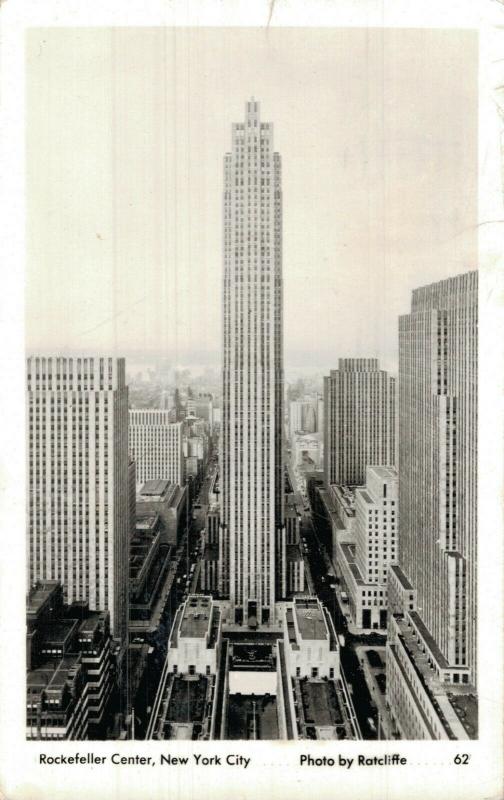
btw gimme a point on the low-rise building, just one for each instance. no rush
(168, 500)
(209, 574)
(195, 638)
(290, 572)
(367, 545)
(148, 568)
(310, 640)
(313, 697)
(422, 702)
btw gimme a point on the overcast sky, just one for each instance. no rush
(126, 135)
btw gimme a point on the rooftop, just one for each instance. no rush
(53, 676)
(154, 488)
(349, 554)
(384, 472)
(328, 502)
(252, 656)
(456, 706)
(366, 497)
(56, 634)
(145, 521)
(401, 577)
(196, 616)
(310, 619)
(39, 594)
(252, 717)
(187, 699)
(428, 639)
(320, 703)
(345, 496)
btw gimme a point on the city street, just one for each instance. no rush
(177, 586)
(321, 572)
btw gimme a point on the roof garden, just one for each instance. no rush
(320, 703)
(252, 717)
(188, 699)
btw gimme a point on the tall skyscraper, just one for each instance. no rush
(252, 408)
(156, 444)
(78, 494)
(359, 420)
(437, 499)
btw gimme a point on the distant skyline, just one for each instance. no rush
(125, 135)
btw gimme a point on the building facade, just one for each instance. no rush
(156, 445)
(434, 600)
(359, 420)
(70, 667)
(252, 405)
(367, 545)
(78, 492)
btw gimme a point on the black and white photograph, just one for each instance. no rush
(251, 400)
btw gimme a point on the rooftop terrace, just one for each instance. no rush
(187, 699)
(321, 711)
(252, 717)
(196, 616)
(310, 619)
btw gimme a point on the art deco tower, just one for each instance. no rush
(252, 413)
(432, 592)
(359, 420)
(437, 460)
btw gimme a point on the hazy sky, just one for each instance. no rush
(127, 129)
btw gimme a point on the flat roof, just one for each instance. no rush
(196, 616)
(348, 552)
(455, 704)
(328, 502)
(92, 623)
(401, 577)
(429, 639)
(321, 704)
(51, 676)
(310, 619)
(187, 699)
(39, 594)
(365, 496)
(56, 633)
(346, 496)
(384, 472)
(145, 520)
(155, 487)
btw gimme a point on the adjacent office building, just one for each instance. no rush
(78, 471)
(433, 588)
(359, 420)
(156, 444)
(252, 470)
(366, 544)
